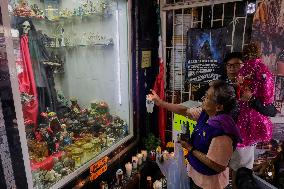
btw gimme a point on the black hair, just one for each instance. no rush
(224, 94)
(227, 58)
(201, 92)
(232, 55)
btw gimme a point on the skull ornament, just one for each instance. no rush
(149, 105)
(26, 27)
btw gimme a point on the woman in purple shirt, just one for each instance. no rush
(214, 138)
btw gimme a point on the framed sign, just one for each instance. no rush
(98, 168)
(205, 51)
(146, 59)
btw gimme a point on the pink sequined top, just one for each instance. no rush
(255, 127)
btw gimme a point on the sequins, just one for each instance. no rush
(255, 127)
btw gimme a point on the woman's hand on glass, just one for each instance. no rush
(154, 97)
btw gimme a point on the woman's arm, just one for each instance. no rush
(208, 162)
(192, 113)
(219, 153)
(176, 108)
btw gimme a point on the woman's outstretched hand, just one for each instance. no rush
(154, 97)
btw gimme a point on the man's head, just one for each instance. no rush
(233, 63)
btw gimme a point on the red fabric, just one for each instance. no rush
(238, 92)
(160, 90)
(47, 163)
(27, 82)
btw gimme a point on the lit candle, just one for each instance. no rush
(139, 156)
(134, 162)
(128, 167)
(165, 154)
(144, 153)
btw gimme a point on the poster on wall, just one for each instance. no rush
(268, 31)
(205, 51)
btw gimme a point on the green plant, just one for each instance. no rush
(151, 142)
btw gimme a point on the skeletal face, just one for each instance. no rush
(26, 27)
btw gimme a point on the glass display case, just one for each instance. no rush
(73, 72)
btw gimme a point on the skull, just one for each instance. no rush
(26, 27)
(149, 105)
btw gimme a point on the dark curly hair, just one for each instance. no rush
(224, 94)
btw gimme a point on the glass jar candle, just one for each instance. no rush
(88, 152)
(144, 153)
(77, 154)
(139, 156)
(128, 168)
(96, 145)
(134, 162)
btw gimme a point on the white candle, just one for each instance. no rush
(128, 167)
(139, 156)
(165, 154)
(144, 153)
(134, 162)
(119, 176)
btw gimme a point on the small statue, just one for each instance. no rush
(74, 105)
(80, 11)
(103, 107)
(65, 138)
(61, 38)
(54, 123)
(36, 10)
(49, 139)
(23, 9)
(68, 162)
(52, 176)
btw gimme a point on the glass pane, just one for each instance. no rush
(73, 74)
(248, 30)
(229, 10)
(217, 24)
(229, 24)
(240, 9)
(169, 25)
(207, 14)
(218, 11)
(238, 35)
